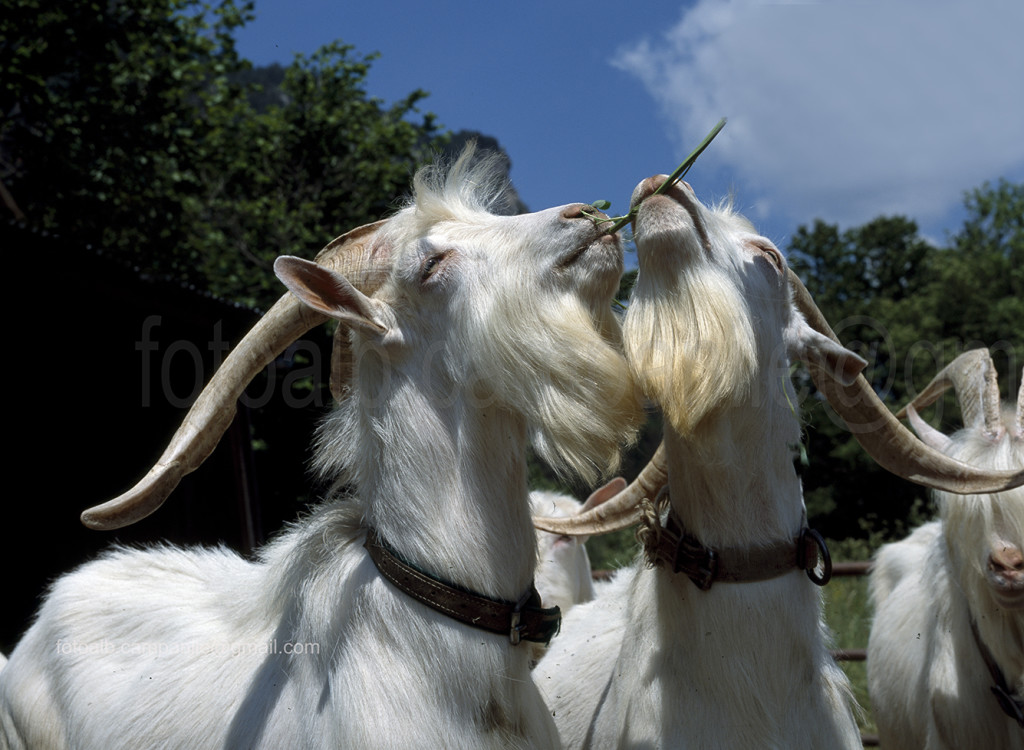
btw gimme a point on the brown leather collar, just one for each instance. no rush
(704, 566)
(524, 620)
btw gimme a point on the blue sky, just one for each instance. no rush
(842, 111)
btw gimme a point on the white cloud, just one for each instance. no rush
(846, 110)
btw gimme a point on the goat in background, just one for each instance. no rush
(946, 651)
(564, 576)
(470, 335)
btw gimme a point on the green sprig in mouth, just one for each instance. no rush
(618, 222)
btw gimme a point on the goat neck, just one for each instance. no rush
(431, 492)
(735, 484)
(706, 338)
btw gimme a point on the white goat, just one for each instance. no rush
(481, 331)
(655, 661)
(954, 590)
(564, 577)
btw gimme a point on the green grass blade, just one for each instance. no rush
(675, 177)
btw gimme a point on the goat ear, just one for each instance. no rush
(329, 293)
(807, 345)
(604, 493)
(600, 496)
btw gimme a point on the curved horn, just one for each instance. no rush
(209, 417)
(621, 511)
(885, 439)
(973, 377)
(928, 434)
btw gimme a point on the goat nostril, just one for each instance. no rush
(575, 211)
(655, 183)
(1007, 559)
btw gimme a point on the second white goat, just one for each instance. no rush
(720, 640)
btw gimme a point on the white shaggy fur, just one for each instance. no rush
(488, 329)
(653, 661)
(564, 577)
(930, 689)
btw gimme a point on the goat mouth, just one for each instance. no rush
(576, 254)
(1007, 594)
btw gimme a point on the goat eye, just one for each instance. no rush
(430, 265)
(771, 254)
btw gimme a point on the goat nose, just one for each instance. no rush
(1007, 559)
(657, 182)
(653, 184)
(575, 211)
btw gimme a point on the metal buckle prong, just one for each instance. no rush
(515, 633)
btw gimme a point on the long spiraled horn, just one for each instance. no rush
(885, 439)
(353, 255)
(973, 378)
(621, 511)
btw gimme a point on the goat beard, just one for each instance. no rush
(579, 400)
(690, 345)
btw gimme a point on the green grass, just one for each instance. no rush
(614, 550)
(848, 614)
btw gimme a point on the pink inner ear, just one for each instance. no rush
(808, 345)
(604, 494)
(327, 292)
(314, 285)
(841, 365)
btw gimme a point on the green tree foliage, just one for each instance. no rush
(133, 127)
(908, 307)
(323, 160)
(982, 279)
(105, 105)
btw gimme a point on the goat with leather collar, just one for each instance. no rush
(525, 620)
(704, 566)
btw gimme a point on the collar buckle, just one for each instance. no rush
(516, 628)
(524, 620)
(699, 563)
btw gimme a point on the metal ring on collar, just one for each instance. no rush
(823, 557)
